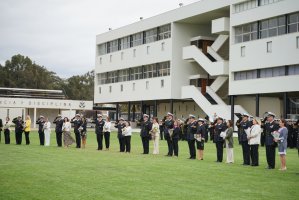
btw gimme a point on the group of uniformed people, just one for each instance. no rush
(194, 131)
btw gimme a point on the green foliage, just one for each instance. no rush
(36, 172)
(21, 72)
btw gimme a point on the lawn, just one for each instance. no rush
(35, 172)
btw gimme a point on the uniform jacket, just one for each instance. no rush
(244, 126)
(59, 123)
(168, 125)
(201, 130)
(77, 123)
(18, 125)
(40, 126)
(99, 126)
(192, 128)
(145, 129)
(119, 127)
(270, 127)
(218, 129)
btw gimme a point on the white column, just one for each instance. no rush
(34, 118)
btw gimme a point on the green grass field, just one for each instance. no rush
(35, 172)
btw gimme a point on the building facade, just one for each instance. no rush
(222, 56)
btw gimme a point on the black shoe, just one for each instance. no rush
(192, 158)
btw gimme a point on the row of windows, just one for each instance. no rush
(267, 72)
(247, 5)
(267, 28)
(145, 37)
(133, 86)
(136, 73)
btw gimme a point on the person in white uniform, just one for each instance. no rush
(47, 131)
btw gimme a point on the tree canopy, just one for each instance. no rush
(21, 72)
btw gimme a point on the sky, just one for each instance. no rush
(60, 34)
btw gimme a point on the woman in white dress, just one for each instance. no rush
(47, 131)
(155, 135)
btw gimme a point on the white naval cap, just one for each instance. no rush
(201, 120)
(78, 115)
(170, 114)
(145, 115)
(191, 116)
(271, 114)
(99, 115)
(245, 115)
(41, 116)
(121, 119)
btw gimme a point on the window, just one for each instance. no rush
(272, 72)
(133, 86)
(125, 42)
(246, 32)
(150, 71)
(164, 32)
(272, 27)
(279, 71)
(100, 60)
(151, 35)
(110, 88)
(245, 75)
(100, 90)
(102, 78)
(147, 50)
(112, 77)
(113, 46)
(134, 53)
(242, 51)
(265, 2)
(245, 6)
(123, 75)
(102, 49)
(162, 83)
(297, 42)
(146, 85)
(162, 46)
(293, 70)
(293, 21)
(269, 47)
(110, 58)
(121, 87)
(136, 73)
(164, 69)
(137, 39)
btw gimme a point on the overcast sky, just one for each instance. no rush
(60, 34)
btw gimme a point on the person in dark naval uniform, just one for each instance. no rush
(245, 125)
(1, 128)
(218, 140)
(18, 129)
(121, 138)
(271, 126)
(77, 123)
(41, 121)
(145, 135)
(58, 129)
(168, 131)
(99, 131)
(191, 131)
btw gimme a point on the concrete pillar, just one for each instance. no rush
(129, 111)
(34, 118)
(257, 105)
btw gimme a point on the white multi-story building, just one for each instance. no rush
(204, 57)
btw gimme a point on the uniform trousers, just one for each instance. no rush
(59, 139)
(18, 137)
(170, 146)
(219, 147)
(145, 144)
(121, 141)
(246, 152)
(41, 135)
(78, 139)
(270, 155)
(191, 145)
(100, 141)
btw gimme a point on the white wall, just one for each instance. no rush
(181, 69)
